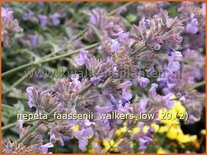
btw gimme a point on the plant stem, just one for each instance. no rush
(125, 5)
(33, 128)
(67, 54)
(199, 84)
(19, 81)
(41, 61)
(78, 35)
(17, 69)
(12, 108)
(95, 30)
(29, 131)
(14, 124)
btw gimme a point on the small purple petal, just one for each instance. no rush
(82, 144)
(127, 95)
(173, 66)
(143, 81)
(95, 80)
(88, 133)
(52, 138)
(43, 20)
(81, 58)
(125, 85)
(34, 40)
(192, 27)
(46, 146)
(115, 46)
(29, 90)
(55, 19)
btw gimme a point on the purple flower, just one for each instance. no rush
(192, 27)
(34, 40)
(43, 20)
(41, 4)
(123, 37)
(168, 101)
(143, 81)
(82, 143)
(56, 136)
(28, 15)
(173, 66)
(192, 119)
(82, 58)
(94, 17)
(9, 26)
(76, 82)
(34, 97)
(115, 46)
(144, 142)
(30, 91)
(55, 18)
(52, 138)
(143, 105)
(126, 95)
(95, 80)
(5, 13)
(203, 9)
(152, 91)
(125, 85)
(20, 126)
(83, 137)
(183, 99)
(156, 46)
(88, 123)
(45, 147)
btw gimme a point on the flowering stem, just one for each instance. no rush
(41, 121)
(78, 35)
(41, 61)
(67, 54)
(33, 128)
(29, 131)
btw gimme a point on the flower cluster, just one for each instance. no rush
(121, 81)
(44, 20)
(193, 15)
(10, 26)
(148, 9)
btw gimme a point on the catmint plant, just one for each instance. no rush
(120, 84)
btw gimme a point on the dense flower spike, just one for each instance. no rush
(9, 26)
(194, 16)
